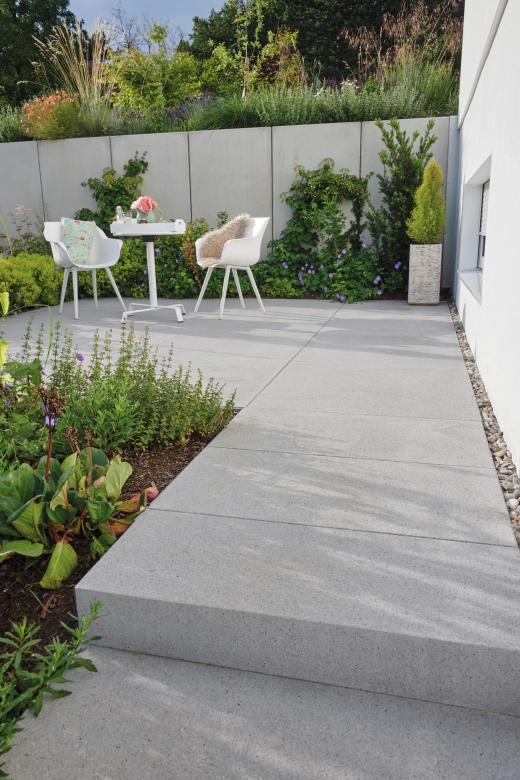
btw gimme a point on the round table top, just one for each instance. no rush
(148, 229)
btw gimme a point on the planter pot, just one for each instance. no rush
(150, 216)
(424, 283)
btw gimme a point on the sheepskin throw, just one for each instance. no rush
(211, 250)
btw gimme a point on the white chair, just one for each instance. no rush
(103, 254)
(238, 254)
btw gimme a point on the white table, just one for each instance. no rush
(148, 233)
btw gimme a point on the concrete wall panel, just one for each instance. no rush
(167, 179)
(19, 180)
(231, 171)
(63, 166)
(452, 202)
(309, 145)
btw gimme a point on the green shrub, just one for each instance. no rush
(10, 127)
(30, 279)
(51, 116)
(428, 219)
(404, 161)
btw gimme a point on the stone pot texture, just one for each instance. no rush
(424, 283)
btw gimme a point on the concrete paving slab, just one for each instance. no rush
(403, 439)
(423, 618)
(402, 386)
(410, 499)
(191, 721)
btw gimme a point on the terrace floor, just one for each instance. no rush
(336, 570)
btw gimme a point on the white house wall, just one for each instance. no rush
(490, 143)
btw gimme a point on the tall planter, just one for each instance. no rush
(424, 282)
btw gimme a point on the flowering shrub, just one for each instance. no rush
(51, 116)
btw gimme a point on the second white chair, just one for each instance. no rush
(103, 254)
(238, 254)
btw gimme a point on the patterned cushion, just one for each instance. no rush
(77, 237)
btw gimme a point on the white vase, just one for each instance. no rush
(424, 281)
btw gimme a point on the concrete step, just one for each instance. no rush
(143, 718)
(424, 618)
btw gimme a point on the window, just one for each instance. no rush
(483, 226)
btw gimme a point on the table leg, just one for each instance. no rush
(152, 283)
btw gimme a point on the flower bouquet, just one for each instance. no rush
(147, 209)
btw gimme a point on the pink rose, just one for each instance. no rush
(144, 204)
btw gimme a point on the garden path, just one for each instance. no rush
(339, 563)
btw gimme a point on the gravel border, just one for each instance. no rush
(506, 469)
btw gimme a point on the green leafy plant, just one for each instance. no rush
(404, 159)
(10, 126)
(316, 247)
(428, 218)
(31, 280)
(28, 229)
(112, 190)
(26, 676)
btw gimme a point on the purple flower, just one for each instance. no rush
(330, 276)
(19, 295)
(56, 268)
(364, 245)
(79, 357)
(313, 249)
(157, 251)
(377, 280)
(15, 313)
(306, 264)
(321, 266)
(285, 265)
(142, 284)
(338, 296)
(339, 257)
(166, 265)
(363, 236)
(343, 251)
(340, 262)
(342, 297)
(23, 379)
(397, 265)
(145, 272)
(176, 259)
(325, 289)
(379, 292)
(8, 402)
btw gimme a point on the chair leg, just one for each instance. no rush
(75, 288)
(224, 290)
(239, 289)
(203, 289)
(94, 287)
(114, 285)
(255, 288)
(64, 287)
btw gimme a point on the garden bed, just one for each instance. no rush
(20, 592)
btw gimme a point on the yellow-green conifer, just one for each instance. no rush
(428, 217)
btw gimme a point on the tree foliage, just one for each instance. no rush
(426, 224)
(20, 20)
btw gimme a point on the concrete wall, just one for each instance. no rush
(199, 174)
(488, 301)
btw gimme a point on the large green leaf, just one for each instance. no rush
(61, 565)
(6, 529)
(4, 302)
(69, 462)
(3, 352)
(29, 520)
(100, 545)
(22, 481)
(22, 548)
(117, 474)
(99, 510)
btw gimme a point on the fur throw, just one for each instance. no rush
(211, 250)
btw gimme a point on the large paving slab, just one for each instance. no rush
(422, 618)
(142, 717)
(404, 439)
(357, 494)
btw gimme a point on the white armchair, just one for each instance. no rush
(103, 254)
(238, 254)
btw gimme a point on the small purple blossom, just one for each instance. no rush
(379, 292)
(157, 251)
(56, 268)
(339, 257)
(343, 251)
(398, 265)
(8, 402)
(342, 297)
(145, 272)
(79, 357)
(142, 284)
(166, 265)
(338, 296)
(340, 262)
(364, 245)
(377, 280)
(285, 265)
(322, 266)
(313, 249)
(325, 289)
(15, 313)
(330, 276)
(19, 294)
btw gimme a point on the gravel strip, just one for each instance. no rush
(506, 469)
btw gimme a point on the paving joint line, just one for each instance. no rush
(328, 527)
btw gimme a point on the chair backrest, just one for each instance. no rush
(52, 232)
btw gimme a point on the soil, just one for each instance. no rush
(20, 593)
